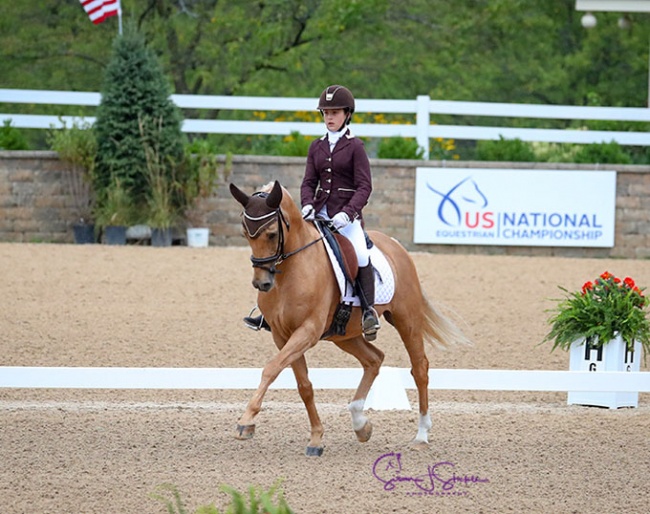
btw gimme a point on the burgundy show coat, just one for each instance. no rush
(341, 179)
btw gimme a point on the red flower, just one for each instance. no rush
(587, 287)
(629, 282)
(606, 275)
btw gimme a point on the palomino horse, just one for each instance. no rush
(298, 296)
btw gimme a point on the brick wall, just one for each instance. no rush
(34, 206)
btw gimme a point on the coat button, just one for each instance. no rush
(328, 170)
(327, 191)
(329, 180)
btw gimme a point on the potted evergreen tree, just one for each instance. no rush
(136, 115)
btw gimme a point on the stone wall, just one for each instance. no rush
(35, 208)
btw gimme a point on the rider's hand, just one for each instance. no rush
(308, 212)
(340, 220)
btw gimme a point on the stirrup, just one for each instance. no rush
(256, 323)
(370, 324)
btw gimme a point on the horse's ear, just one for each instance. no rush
(239, 195)
(275, 196)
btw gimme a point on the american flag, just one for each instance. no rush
(99, 10)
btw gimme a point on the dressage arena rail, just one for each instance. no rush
(422, 107)
(387, 393)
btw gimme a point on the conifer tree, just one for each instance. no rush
(135, 108)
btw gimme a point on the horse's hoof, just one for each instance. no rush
(244, 432)
(314, 451)
(419, 445)
(363, 434)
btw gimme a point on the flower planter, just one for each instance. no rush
(84, 233)
(612, 356)
(161, 237)
(198, 237)
(115, 235)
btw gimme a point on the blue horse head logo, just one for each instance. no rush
(457, 199)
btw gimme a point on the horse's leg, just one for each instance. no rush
(407, 327)
(370, 358)
(299, 342)
(306, 391)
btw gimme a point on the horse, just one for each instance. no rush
(299, 295)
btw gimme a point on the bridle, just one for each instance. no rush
(266, 219)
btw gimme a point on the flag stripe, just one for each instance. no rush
(99, 10)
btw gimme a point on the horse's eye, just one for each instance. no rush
(272, 236)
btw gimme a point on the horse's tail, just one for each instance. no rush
(438, 329)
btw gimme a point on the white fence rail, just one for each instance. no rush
(422, 108)
(388, 392)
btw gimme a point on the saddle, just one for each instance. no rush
(343, 250)
(346, 257)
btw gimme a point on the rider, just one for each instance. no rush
(336, 186)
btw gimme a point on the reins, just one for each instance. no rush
(280, 255)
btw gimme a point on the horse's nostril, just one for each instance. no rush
(263, 286)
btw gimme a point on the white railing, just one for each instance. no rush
(388, 391)
(422, 108)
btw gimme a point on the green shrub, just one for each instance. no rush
(11, 138)
(399, 148)
(603, 153)
(77, 147)
(293, 145)
(555, 152)
(506, 150)
(257, 501)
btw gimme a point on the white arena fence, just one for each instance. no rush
(387, 393)
(422, 108)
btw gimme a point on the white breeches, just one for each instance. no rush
(354, 232)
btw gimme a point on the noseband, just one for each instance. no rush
(261, 222)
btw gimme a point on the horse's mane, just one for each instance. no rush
(287, 200)
(266, 188)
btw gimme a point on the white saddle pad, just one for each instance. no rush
(384, 278)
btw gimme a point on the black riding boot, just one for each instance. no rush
(369, 319)
(256, 322)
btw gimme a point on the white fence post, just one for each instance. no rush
(422, 121)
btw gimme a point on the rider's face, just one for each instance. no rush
(334, 118)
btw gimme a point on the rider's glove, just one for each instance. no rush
(340, 220)
(308, 212)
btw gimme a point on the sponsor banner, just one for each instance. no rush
(522, 207)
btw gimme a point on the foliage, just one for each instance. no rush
(399, 148)
(603, 153)
(600, 310)
(257, 502)
(293, 145)
(163, 193)
(117, 207)
(443, 149)
(539, 52)
(77, 147)
(11, 138)
(510, 150)
(555, 152)
(135, 107)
